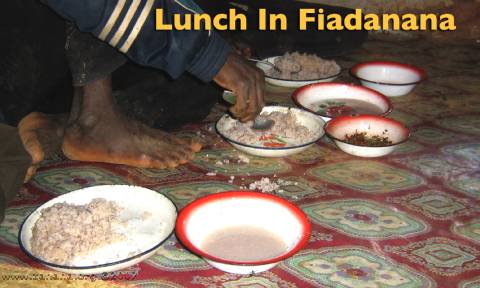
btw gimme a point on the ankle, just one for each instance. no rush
(87, 120)
(97, 97)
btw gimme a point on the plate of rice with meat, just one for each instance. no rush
(293, 131)
(299, 69)
(98, 229)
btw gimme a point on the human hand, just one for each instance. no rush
(247, 82)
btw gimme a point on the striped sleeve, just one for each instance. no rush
(129, 26)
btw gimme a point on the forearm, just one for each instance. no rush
(129, 26)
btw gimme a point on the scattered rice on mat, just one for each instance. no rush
(264, 185)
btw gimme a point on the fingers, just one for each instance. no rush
(241, 108)
(260, 88)
(252, 104)
(247, 82)
(256, 97)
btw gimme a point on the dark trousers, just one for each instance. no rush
(14, 162)
(34, 74)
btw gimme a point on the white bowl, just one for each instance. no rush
(392, 79)
(146, 235)
(309, 97)
(372, 125)
(290, 83)
(309, 120)
(215, 212)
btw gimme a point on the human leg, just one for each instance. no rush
(100, 132)
(14, 163)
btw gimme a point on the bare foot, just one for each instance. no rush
(103, 134)
(119, 140)
(41, 136)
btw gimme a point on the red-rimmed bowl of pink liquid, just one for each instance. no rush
(243, 232)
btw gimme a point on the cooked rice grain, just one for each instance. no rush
(297, 66)
(65, 231)
(286, 125)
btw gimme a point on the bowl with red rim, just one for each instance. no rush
(330, 100)
(390, 78)
(367, 135)
(243, 232)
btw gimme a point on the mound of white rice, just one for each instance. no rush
(298, 66)
(286, 126)
(65, 231)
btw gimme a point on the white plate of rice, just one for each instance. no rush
(298, 70)
(294, 131)
(98, 229)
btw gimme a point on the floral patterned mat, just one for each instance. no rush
(410, 219)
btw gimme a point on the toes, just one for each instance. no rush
(30, 172)
(152, 161)
(195, 145)
(184, 156)
(149, 148)
(27, 131)
(41, 134)
(157, 164)
(172, 164)
(33, 147)
(171, 160)
(190, 143)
